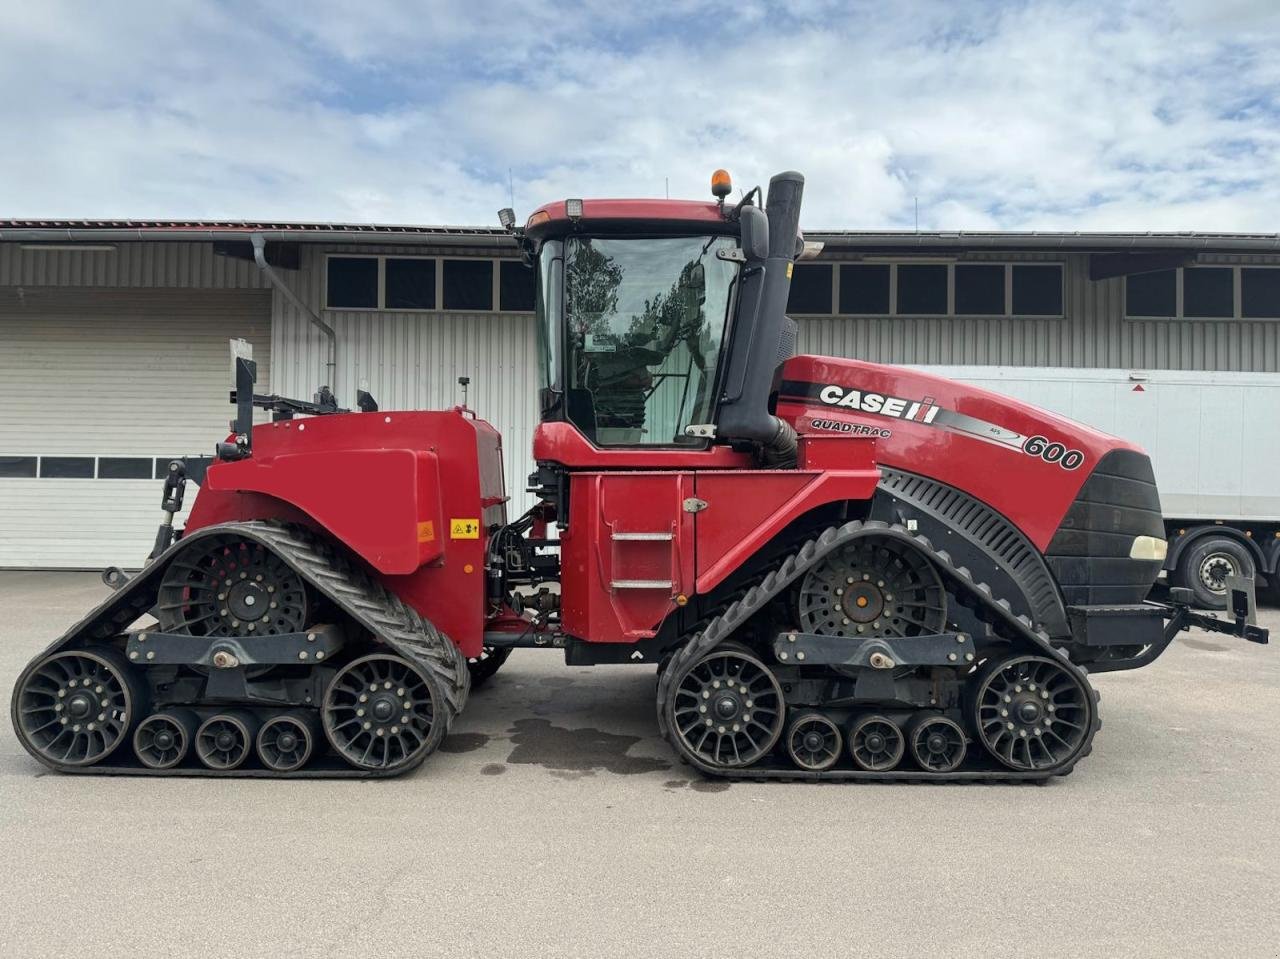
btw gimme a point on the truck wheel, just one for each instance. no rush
(1204, 569)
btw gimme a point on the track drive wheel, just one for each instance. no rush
(229, 586)
(484, 666)
(1034, 714)
(873, 587)
(727, 709)
(876, 743)
(814, 742)
(73, 708)
(383, 713)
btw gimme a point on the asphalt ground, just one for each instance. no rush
(555, 822)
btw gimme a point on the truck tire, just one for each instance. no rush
(1204, 566)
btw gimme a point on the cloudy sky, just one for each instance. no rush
(990, 115)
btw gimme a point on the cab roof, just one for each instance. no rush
(694, 214)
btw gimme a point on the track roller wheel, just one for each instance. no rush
(727, 709)
(382, 712)
(285, 742)
(937, 743)
(1033, 713)
(484, 666)
(162, 740)
(814, 742)
(73, 708)
(876, 743)
(225, 740)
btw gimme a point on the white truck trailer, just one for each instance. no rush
(1214, 439)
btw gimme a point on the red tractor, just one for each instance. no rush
(841, 570)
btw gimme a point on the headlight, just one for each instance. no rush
(1148, 547)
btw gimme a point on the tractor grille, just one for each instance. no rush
(1089, 554)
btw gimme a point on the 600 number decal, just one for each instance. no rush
(1053, 452)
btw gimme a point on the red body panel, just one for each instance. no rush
(696, 213)
(391, 487)
(1023, 461)
(563, 443)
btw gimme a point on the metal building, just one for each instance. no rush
(113, 335)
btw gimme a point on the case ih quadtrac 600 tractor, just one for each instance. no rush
(842, 570)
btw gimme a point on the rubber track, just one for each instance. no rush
(996, 613)
(366, 601)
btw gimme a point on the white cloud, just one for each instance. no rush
(1013, 116)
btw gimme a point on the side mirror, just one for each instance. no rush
(755, 233)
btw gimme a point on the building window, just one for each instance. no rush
(1208, 292)
(810, 289)
(979, 289)
(66, 467)
(922, 289)
(1260, 293)
(1037, 290)
(515, 287)
(1151, 294)
(410, 284)
(1204, 293)
(352, 283)
(124, 467)
(427, 283)
(864, 289)
(13, 467)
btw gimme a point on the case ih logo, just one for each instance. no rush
(926, 411)
(921, 411)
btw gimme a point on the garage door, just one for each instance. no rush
(98, 390)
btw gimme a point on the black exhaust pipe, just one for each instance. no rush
(764, 336)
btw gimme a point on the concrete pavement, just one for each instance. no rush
(555, 822)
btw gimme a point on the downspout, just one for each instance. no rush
(260, 257)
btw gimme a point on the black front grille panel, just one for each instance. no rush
(1089, 554)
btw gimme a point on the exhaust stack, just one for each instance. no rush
(765, 336)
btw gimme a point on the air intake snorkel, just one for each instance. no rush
(770, 242)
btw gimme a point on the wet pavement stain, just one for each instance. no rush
(1210, 647)
(709, 785)
(463, 742)
(676, 783)
(556, 682)
(492, 769)
(574, 753)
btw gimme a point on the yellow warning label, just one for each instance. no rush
(426, 531)
(464, 529)
(789, 266)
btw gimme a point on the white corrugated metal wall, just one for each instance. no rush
(412, 361)
(1093, 333)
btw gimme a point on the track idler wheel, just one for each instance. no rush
(286, 742)
(814, 742)
(163, 740)
(224, 741)
(74, 708)
(876, 743)
(486, 665)
(1032, 713)
(383, 713)
(937, 743)
(727, 710)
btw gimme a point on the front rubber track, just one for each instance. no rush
(742, 606)
(325, 568)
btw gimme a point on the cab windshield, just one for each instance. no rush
(644, 324)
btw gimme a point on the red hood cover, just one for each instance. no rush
(1025, 462)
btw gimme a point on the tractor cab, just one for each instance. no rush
(651, 318)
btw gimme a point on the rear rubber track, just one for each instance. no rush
(324, 568)
(740, 607)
